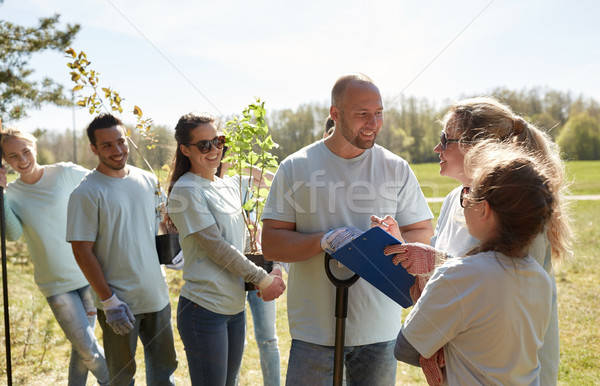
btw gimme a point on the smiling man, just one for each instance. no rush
(334, 183)
(112, 223)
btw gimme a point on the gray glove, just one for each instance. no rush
(337, 238)
(118, 315)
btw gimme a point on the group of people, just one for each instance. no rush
(485, 308)
(486, 316)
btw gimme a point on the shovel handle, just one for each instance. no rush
(339, 283)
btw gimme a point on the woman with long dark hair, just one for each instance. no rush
(207, 213)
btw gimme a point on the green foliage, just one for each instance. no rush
(105, 98)
(580, 138)
(250, 145)
(18, 93)
(293, 129)
(411, 128)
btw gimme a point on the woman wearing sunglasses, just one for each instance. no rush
(465, 124)
(206, 211)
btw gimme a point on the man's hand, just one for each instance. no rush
(388, 224)
(118, 315)
(337, 238)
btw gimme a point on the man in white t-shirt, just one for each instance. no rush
(111, 225)
(334, 183)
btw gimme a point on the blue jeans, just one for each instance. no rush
(213, 343)
(312, 364)
(263, 316)
(76, 316)
(154, 330)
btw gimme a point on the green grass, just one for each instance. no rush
(578, 300)
(40, 351)
(432, 184)
(585, 177)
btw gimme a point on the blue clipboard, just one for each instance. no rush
(364, 256)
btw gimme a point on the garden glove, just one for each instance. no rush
(418, 259)
(433, 367)
(118, 315)
(337, 238)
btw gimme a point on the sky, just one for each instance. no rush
(173, 57)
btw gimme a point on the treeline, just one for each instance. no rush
(410, 129)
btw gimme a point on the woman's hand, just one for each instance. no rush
(388, 224)
(418, 259)
(271, 287)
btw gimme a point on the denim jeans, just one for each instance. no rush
(155, 332)
(213, 343)
(312, 364)
(263, 316)
(76, 316)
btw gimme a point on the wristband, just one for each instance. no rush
(264, 283)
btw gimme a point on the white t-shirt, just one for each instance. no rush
(319, 191)
(120, 216)
(196, 203)
(451, 233)
(452, 236)
(42, 210)
(490, 313)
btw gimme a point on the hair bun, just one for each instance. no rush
(519, 125)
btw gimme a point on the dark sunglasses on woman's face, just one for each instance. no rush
(204, 145)
(444, 141)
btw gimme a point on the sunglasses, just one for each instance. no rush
(444, 141)
(204, 145)
(463, 195)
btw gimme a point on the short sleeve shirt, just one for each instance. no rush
(120, 216)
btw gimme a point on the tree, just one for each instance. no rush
(18, 93)
(580, 138)
(294, 129)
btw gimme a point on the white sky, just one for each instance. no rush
(173, 57)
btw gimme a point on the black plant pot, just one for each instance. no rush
(258, 259)
(168, 247)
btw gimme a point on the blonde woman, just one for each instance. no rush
(36, 206)
(467, 123)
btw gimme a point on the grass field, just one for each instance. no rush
(40, 351)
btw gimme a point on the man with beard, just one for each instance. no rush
(112, 223)
(320, 195)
